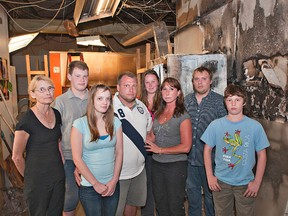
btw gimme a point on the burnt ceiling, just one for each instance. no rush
(48, 16)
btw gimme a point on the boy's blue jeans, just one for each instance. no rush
(94, 204)
(224, 201)
(71, 187)
(196, 179)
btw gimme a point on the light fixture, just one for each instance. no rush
(18, 42)
(87, 10)
(89, 40)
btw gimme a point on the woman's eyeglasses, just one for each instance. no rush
(50, 89)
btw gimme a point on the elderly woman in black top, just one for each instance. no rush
(38, 133)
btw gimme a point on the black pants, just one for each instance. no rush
(169, 180)
(45, 199)
(148, 209)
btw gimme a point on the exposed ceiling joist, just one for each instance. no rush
(145, 33)
(57, 27)
(132, 18)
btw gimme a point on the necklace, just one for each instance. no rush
(166, 116)
(43, 115)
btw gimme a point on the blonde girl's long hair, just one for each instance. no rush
(91, 115)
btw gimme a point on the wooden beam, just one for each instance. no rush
(141, 34)
(78, 10)
(13, 175)
(7, 109)
(162, 39)
(144, 33)
(31, 73)
(9, 167)
(148, 54)
(138, 59)
(147, 60)
(2, 178)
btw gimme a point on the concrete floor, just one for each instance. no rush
(80, 211)
(15, 207)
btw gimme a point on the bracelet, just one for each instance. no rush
(160, 152)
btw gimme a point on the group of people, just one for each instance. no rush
(126, 152)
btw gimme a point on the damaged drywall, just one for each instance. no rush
(268, 37)
(272, 197)
(253, 31)
(254, 36)
(246, 15)
(266, 85)
(240, 29)
(268, 6)
(274, 69)
(188, 11)
(220, 31)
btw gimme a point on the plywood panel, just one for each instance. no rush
(103, 67)
(193, 39)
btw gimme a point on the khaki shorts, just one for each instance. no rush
(224, 201)
(132, 192)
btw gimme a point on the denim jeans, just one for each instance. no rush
(94, 204)
(71, 187)
(196, 180)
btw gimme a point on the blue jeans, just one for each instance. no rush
(94, 204)
(71, 187)
(196, 180)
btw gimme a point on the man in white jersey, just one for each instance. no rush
(136, 122)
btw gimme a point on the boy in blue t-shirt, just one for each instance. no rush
(236, 139)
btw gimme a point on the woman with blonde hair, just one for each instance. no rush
(38, 133)
(97, 150)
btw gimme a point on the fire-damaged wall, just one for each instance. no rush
(239, 29)
(254, 37)
(265, 79)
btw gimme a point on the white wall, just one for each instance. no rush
(4, 53)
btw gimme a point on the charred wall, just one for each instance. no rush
(254, 37)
